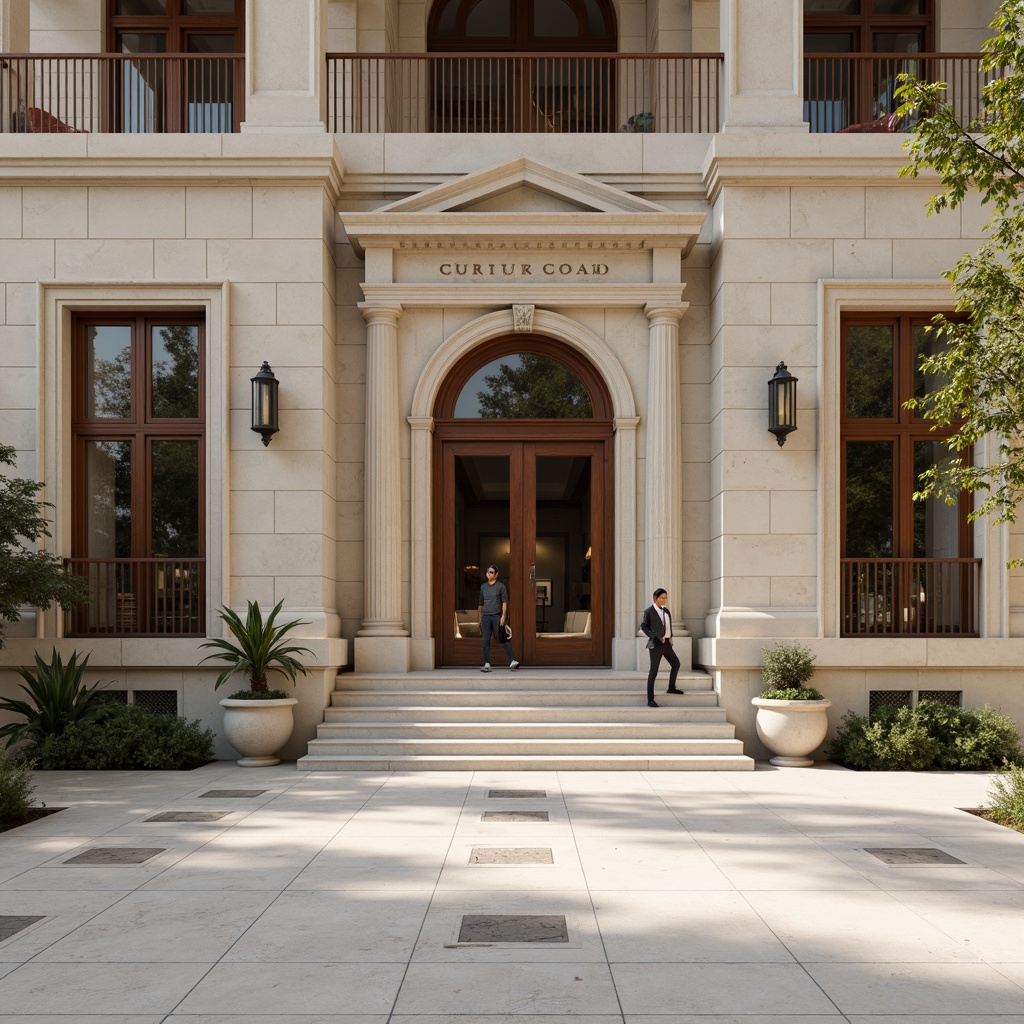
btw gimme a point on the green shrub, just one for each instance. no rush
(1007, 796)
(792, 693)
(787, 666)
(128, 738)
(970, 738)
(16, 790)
(58, 698)
(931, 735)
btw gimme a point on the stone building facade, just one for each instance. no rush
(386, 232)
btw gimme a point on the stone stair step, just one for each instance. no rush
(627, 699)
(523, 679)
(672, 710)
(524, 730)
(527, 762)
(525, 745)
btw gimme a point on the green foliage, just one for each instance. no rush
(979, 370)
(259, 695)
(58, 696)
(787, 666)
(16, 790)
(792, 693)
(258, 648)
(895, 741)
(931, 735)
(129, 738)
(970, 738)
(538, 388)
(28, 576)
(1006, 796)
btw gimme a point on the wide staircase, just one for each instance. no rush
(590, 719)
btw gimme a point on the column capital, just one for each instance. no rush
(665, 314)
(626, 423)
(421, 423)
(387, 313)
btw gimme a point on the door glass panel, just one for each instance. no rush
(554, 18)
(145, 8)
(828, 42)
(595, 18)
(564, 547)
(174, 361)
(832, 6)
(936, 524)
(870, 472)
(897, 7)
(210, 84)
(481, 525)
(869, 371)
(108, 488)
(108, 372)
(142, 82)
(490, 18)
(201, 7)
(827, 83)
(175, 500)
(897, 42)
(524, 386)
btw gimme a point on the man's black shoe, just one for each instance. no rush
(653, 704)
(680, 692)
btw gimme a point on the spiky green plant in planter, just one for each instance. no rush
(259, 647)
(787, 666)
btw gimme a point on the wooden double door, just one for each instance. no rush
(539, 509)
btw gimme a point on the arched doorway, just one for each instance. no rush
(563, 91)
(524, 478)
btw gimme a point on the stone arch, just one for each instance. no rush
(551, 325)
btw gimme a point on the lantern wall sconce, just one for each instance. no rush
(264, 403)
(782, 403)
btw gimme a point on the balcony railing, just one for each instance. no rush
(910, 596)
(856, 92)
(140, 597)
(121, 93)
(508, 92)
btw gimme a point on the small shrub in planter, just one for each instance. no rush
(787, 666)
(1007, 797)
(16, 790)
(129, 738)
(929, 736)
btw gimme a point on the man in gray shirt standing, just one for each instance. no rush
(493, 613)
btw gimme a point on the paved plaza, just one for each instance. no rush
(285, 897)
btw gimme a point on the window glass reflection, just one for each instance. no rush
(524, 386)
(108, 372)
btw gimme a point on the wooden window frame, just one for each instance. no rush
(864, 24)
(905, 428)
(176, 25)
(140, 428)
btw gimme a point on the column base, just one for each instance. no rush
(381, 653)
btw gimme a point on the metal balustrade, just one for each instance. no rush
(846, 92)
(910, 596)
(513, 92)
(140, 597)
(121, 93)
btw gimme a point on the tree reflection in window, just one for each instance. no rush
(524, 386)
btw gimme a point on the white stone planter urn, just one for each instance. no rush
(257, 729)
(791, 729)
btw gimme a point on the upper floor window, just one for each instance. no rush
(868, 26)
(177, 26)
(522, 25)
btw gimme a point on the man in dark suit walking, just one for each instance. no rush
(656, 625)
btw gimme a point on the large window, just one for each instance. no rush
(906, 564)
(501, 93)
(843, 92)
(195, 94)
(138, 450)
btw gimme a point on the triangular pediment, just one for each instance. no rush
(520, 180)
(522, 203)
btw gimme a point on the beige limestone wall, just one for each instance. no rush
(67, 26)
(86, 235)
(962, 25)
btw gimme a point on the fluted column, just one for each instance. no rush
(663, 544)
(382, 514)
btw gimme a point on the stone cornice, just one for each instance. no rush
(766, 159)
(525, 230)
(548, 295)
(172, 160)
